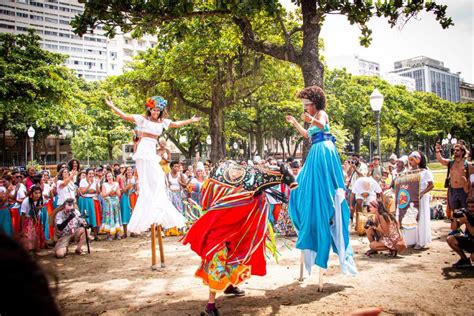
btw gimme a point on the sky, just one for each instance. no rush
(422, 36)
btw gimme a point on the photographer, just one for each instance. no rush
(69, 225)
(461, 243)
(383, 232)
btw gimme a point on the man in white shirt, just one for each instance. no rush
(364, 191)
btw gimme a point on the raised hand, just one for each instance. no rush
(195, 119)
(307, 117)
(290, 119)
(108, 101)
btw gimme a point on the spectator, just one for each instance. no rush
(66, 188)
(31, 228)
(112, 219)
(69, 226)
(356, 170)
(457, 177)
(89, 189)
(5, 216)
(392, 162)
(383, 232)
(30, 178)
(465, 242)
(364, 191)
(375, 169)
(295, 167)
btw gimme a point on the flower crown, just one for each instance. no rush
(156, 102)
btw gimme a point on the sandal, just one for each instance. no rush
(370, 252)
(78, 252)
(392, 253)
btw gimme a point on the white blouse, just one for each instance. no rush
(147, 126)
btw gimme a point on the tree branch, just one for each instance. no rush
(280, 52)
(178, 94)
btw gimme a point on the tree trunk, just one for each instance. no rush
(259, 141)
(282, 148)
(357, 136)
(311, 66)
(288, 140)
(298, 142)
(216, 124)
(397, 142)
(110, 148)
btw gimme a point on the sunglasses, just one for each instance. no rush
(19, 177)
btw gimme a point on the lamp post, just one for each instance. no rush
(376, 102)
(31, 134)
(209, 144)
(236, 147)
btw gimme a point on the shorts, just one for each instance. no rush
(457, 199)
(465, 243)
(64, 241)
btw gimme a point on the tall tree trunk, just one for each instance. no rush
(282, 148)
(356, 139)
(297, 144)
(311, 66)
(397, 142)
(216, 125)
(259, 141)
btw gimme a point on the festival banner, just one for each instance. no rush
(407, 193)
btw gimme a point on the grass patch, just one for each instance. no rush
(436, 166)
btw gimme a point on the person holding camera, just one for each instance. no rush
(382, 231)
(357, 169)
(465, 242)
(69, 226)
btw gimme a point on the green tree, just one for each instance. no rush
(35, 88)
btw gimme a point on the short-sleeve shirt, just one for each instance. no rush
(425, 177)
(71, 226)
(25, 207)
(362, 169)
(366, 188)
(85, 184)
(147, 126)
(68, 192)
(20, 194)
(109, 188)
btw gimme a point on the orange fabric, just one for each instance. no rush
(16, 220)
(133, 200)
(276, 211)
(98, 212)
(50, 209)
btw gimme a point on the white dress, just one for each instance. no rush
(153, 205)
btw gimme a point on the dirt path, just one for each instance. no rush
(116, 279)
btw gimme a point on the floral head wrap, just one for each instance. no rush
(156, 102)
(415, 156)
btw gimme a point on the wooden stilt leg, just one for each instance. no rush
(301, 267)
(321, 274)
(153, 247)
(160, 244)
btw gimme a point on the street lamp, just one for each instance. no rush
(31, 134)
(209, 144)
(376, 102)
(236, 148)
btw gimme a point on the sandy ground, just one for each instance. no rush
(116, 279)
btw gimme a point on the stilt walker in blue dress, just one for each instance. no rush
(318, 207)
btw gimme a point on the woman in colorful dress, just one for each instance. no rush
(88, 190)
(196, 183)
(5, 217)
(153, 205)
(112, 219)
(318, 207)
(31, 228)
(384, 233)
(128, 187)
(47, 192)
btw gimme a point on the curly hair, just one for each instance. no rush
(163, 114)
(315, 94)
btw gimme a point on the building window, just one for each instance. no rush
(7, 12)
(7, 26)
(51, 20)
(22, 15)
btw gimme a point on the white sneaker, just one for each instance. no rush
(417, 247)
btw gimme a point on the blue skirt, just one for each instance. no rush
(6, 221)
(86, 205)
(319, 210)
(125, 208)
(45, 222)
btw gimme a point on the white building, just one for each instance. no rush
(93, 57)
(395, 79)
(354, 64)
(430, 76)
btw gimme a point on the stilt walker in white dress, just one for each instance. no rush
(153, 205)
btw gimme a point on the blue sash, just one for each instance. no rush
(321, 137)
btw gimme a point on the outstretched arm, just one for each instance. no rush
(193, 119)
(290, 119)
(440, 159)
(319, 121)
(111, 105)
